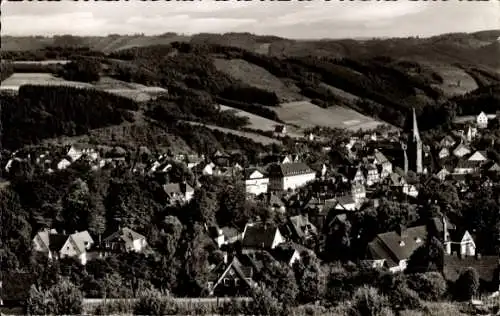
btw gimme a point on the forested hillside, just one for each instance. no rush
(382, 79)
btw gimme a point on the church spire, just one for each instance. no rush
(416, 134)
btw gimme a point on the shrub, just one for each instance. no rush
(152, 303)
(430, 286)
(114, 307)
(64, 298)
(368, 302)
(467, 284)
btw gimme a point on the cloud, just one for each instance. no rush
(294, 19)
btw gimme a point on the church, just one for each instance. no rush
(413, 150)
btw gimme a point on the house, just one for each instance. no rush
(63, 164)
(461, 150)
(76, 151)
(393, 249)
(381, 160)
(492, 168)
(409, 189)
(255, 181)
(58, 246)
(356, 175)
(467, 166)
(178, 193)
(261, 236)
(479, 155)
(443, 173)
(358, 192)
(289, 176)
(447, 142)
(14, 290)
(300, 228)
(345, 203)
(231, 279)
(289, 253)
(227, 235)
(371, 174)
(279, 131)
(443, 153)
(470, 134)
(482, 120)
(457, 241)
(124, 240)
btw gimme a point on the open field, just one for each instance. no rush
(19, 79)
(305, 114)
(262, 123)
(258, 77)
(456, 81)
(253, 136)
(135, 91)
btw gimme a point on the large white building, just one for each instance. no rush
(289, 176)
(255, 182)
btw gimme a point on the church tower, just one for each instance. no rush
(415, 148)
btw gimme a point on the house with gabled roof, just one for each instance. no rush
(260, 236)
(299, 228)
(279, 131)
(482, 120)
(443, 174)
(479, 155)
(467, 166)
(289, 253)
(447, 142)
(178, 193)
(124, 240)
(345, 203)
(58, 246)
(371, 174)
(443, 153)
(461, 150)
(255, 181)
(291, 176)
(235, 278)
(393, 249)
(226, 235)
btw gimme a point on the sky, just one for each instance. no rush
(292, 19)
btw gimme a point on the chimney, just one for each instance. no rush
(401, 230)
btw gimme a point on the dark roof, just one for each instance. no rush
(394, 247)
(56, 241)
(16, 285)
(259, 236)
(279, 128)
(486, 267)
(290, 169)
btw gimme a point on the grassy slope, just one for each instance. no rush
(305, 114)
(258, 77)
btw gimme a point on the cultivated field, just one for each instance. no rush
(135, 91)
(253, 136)
(258, 77)
(262, 123)
(305, 114)
(19, 79)
(456, 81)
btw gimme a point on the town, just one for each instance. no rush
(365, 180)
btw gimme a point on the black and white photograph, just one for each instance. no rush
(280, 158)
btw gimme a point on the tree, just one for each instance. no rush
(430, 286)
(428, 257)
(280, 281)
(63, 298)
(467, 284)
(368, 302)
(310, 278)
(84, 70)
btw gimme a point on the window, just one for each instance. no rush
(236, 282)
(226, 282)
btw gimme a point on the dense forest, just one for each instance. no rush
(40, 112)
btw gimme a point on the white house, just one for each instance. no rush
(61, 245)
(63, 164)
(461, 151)
(255, 182)
(76, 151)
(482, 120)
(289, 176)
(442, 174)
(443, 153)
(478, 156)
(125, 240)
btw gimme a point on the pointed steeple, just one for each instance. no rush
(416, 134)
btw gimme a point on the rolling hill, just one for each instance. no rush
(349, 84)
